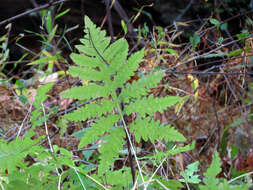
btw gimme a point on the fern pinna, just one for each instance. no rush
(105, 68)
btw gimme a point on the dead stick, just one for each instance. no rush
(31, 11)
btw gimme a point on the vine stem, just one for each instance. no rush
(129, 139)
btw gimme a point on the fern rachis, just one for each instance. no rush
(106, 68)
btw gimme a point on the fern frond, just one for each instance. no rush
(98, 128)
(210, 175)
(87, 74)
(123, 174)
(11, 154)
(86, 92)
(108, 69)
(85, 61)
(147, 129)
(93, 109)
(128, 69)
(140, 88)
(94, 41)
(116, 55)
(110, 149)
(151, 105)
(42, 94)
(37, 118)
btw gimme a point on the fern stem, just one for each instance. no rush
(79, 179)
(48, 137)
(59, 182)
(1, 185)
(22, 124)
(130, 159)
(93, 45)
(128, 137)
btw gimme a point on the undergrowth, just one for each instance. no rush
(118, 118)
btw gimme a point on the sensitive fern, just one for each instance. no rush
(104, 69)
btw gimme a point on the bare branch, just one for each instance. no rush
(45, 6)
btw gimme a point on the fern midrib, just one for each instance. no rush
(115, 98)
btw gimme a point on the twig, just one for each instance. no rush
(151, 181)
(97, 182)
(240, 176)
(1, 185)
(229, 86)
(122, 13)
(79, 178)
(218, 61)
(48, 137)
(219, 18)
(31, 11)
(131, 159)
(205, 54)
(208, 73)
(21, 126)
(109, 18)
(184, 11)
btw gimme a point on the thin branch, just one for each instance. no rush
(48, 137)
(206, 54)
(109, 18)
(219, 61)
(207, 73)
(45, 6)
(80, 179)
(131, 159)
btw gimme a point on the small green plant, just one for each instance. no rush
(105, 69)
(25, 163)
(210, 180)
(195, 39)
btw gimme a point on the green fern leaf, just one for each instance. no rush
(85, 92)
(11, 154)
(86, 74)
(110, 149)
(150, 105)
(94, 109)
(147, 129)
(128, 69)
(210, 175)
(140, 88)
(161, 155)
(94, 37)
(85, 61)
(42, 94)
(169, 133)
(123, 174)
(99, 128)
(116, 55)
(37, 117)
